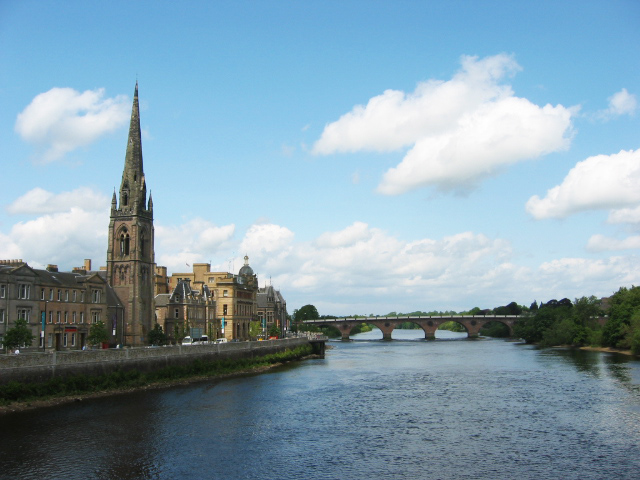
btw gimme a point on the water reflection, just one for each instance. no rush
(407, 408)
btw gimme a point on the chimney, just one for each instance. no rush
(52, 268)
(87, 264)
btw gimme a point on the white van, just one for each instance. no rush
(187, 341)
(221, 340)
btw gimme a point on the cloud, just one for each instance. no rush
(621, 103)
(577, 277)
(63, 119)
(195, 241)
(69, 227)
(457, 131)
(625, 215)
(63, 238)
(599, 182)
(600, 243)
(356, 269)
(39, 201)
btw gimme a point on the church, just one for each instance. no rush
(130, 251)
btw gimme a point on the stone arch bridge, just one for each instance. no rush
(430, 323)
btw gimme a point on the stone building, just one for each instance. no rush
(59, 307)
(272, 309)
(187, 312)
(130, 251)
(234, 295)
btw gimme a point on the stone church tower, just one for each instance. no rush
(130, 253)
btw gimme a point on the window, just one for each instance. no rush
(59, 295)
(66, 317)
(42, 294)
(81, 317)
(50, 317)
(51, 294)
(24, 314)
(50, 340)
(96, 296)
(82, 296)
(66, 295)
(3, 291)
(177, 312)
(225, 293)
(57, 317)
(73, 317)
(75, 296)
(73, 339)
(24, 291)
(124, 243)
(1, 316)
(224, 309)
(64, 340)
(95, 317)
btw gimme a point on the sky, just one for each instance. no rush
(368, 156)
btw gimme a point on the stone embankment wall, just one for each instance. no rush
(40, 367)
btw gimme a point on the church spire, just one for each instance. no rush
(133, 189)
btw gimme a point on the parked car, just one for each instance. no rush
(221, 340)
(187, 341)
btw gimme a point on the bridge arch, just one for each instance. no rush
(429, 324)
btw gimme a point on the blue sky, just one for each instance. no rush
(369, 157)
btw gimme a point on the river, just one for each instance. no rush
(403, 409)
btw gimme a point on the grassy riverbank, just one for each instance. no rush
(17, 396)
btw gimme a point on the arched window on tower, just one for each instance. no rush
(142, 242)
(124, 243)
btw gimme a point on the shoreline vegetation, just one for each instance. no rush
(18, 397)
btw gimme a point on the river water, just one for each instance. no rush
(406, 409)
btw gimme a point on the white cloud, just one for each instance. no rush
(575, 277)
(625, 215)
(458, 131)
(197, 240)
(69, 227)
(63, 119)
(39, 201)
(64, 238)
(266, 239)
(599, 182)
(358, 269)
(600, 243)
(621, 103)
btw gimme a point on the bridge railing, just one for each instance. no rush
(408, 318)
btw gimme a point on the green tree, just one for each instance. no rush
(308, 312)
(157, 336)
(533, 328)
(98, 334)
(255, 329)
(274, 330)
(622, 330)
(17, 336)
